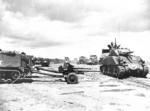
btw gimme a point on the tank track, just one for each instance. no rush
(121, 72)
(9, 76)
(145, 71)
(114, 71)
(142, 73)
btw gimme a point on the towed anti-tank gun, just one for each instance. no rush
(68, 72)
(120, 62)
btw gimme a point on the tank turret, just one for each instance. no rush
(121, 63)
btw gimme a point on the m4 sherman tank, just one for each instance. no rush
(119, 62)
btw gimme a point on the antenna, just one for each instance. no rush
(119, 28)
(115, 43)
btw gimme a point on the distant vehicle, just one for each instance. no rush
(14, 65)
(93, 60)
(120, 63)
(37, 60)
(45, 62)
(83, 60)
(75, 60)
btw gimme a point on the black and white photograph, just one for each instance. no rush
(74, 55)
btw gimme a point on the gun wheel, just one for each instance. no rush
(72, 79)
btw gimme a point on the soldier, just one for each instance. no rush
(67, 66)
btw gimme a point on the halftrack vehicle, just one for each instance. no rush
(14, 65)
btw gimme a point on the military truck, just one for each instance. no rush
(93, 60)
(45, 62)
(83, 60)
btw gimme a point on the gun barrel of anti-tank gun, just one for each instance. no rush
(48, 70)
(86, 70)
(91, 71)
(82, 68)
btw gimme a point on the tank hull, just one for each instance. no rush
(121, 71)
(123, 66)
(114, 71)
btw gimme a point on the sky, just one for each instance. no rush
(72, 28)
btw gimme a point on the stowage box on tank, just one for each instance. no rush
(119, 62)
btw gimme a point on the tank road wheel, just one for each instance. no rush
(115, 71)
(145, 71)
(120, 76)
(72, 79)
(102, 69)
(110, 70)
(15, 75)
(121, 73)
